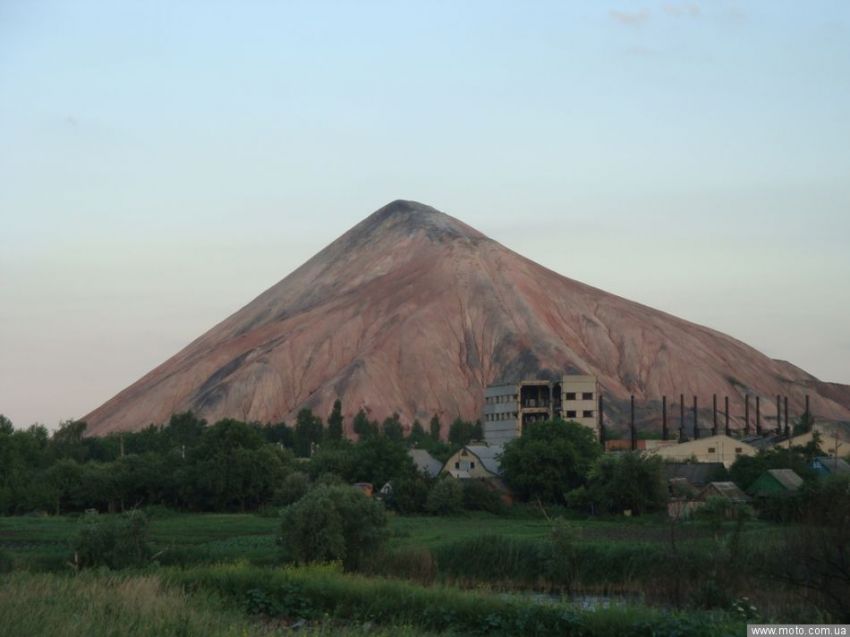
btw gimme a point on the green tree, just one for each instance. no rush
(6, 427)
(113, 541)
(446, 497)
(233, 468)
(461, 432)
(409, 495)
(334, 457)
(308, 432)
(294, 487)
(393, 428)
(380, 460)
(417, 436)
(628, 481)
(335, 422)
(550, 459)
(477, 496)
(435, 428)
(333, 523)
(67, 441)
(363, 427)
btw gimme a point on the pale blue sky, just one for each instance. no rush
(161, 163)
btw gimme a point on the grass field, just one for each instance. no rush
(43, 543)
(142, 605)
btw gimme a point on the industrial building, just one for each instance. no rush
(510, 407)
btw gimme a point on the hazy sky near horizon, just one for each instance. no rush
(162, 163)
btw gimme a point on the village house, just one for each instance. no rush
(829, 466)
(427, 464)
(775, 482)
(728, 491)
(475, 461)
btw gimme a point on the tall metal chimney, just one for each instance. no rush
(696, 421)
(632, 426)
(714, 426)
(664, 433)
(728, 431)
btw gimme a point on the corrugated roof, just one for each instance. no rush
(488, 454)
(728, 490)
(697, 473)
(787, 478)
(425, 462)
(834, 465)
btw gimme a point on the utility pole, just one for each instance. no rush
(681, 417)
(714, 427)
(747, 415)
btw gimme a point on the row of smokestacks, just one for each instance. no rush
(781, 401)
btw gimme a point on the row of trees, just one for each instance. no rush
(229, 465)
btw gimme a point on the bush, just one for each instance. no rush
(333, 523)
(563, 565)
(114, 541)
(294, 487)
(477, 496)
(446, 497)
(410, 495)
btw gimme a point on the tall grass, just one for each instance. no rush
(316, 592)
(98, 605)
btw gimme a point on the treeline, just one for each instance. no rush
(227, 466)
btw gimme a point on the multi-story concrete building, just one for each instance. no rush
(509, 408)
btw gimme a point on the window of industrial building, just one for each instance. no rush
(571, 395)
(587, 414)
(471, 465)
(457, 465)
(738, 450)
(571, 414)
(588, 395)
(711, 450)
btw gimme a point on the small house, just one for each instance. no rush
(727, 490)
(776, 482)
(427, 464)
(475, 461)
(828, 466)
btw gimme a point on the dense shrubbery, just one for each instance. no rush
(333, 523)
(313, 593)
(446, 497)
(113, 541)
